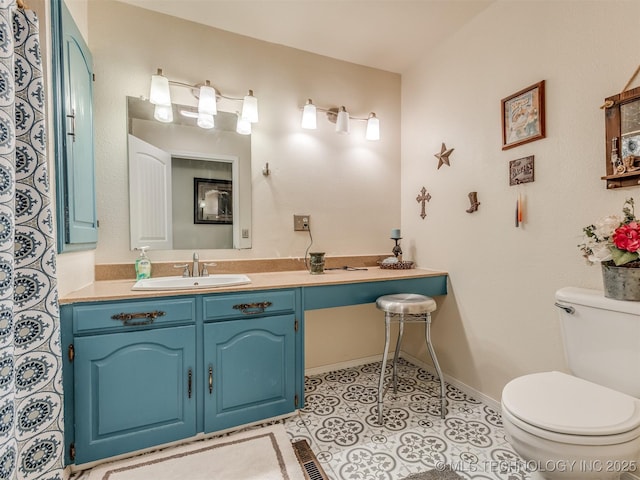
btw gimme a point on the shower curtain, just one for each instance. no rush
(31, 423)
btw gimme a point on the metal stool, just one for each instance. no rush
(406, 307)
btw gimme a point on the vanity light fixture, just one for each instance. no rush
(373, 128)
(243, 126)
(342, 122)
(205, 120)
(160, 93)
(250, 108)
(163, 113)
(339, 116)
(207, 95)
(309, 114)
(207, 100)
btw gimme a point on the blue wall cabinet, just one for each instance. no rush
(250, 367)
(134, 390)
(73, 133)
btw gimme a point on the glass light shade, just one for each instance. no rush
(207, 100)
(373, 128)
(250, 108)
(243, 127)
(342, 123)
(163, 113)
(159, 93)
(309, 116)
(205, 120)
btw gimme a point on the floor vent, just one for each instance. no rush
(308, 461)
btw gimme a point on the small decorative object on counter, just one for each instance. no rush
(396, 261)
(316, 264)
(143, 264)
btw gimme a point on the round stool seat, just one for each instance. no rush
(406, 304)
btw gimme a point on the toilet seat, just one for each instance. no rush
(568, 409)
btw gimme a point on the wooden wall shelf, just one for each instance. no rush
(622, 124)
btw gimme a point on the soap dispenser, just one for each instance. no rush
(143, 264)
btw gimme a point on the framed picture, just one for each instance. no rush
(212, 201)
(521, 171)
(523, 116)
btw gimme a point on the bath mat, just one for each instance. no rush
(310, 464)
(260, 454)
(446, 474)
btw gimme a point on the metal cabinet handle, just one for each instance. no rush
(149, 317)
(210, 379)
(189, 382)
(252, 308)
(72, 130)
(566, 308)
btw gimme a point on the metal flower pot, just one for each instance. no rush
(621, 283)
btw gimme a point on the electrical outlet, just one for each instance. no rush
(301, 223)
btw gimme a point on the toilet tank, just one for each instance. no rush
(601, 338)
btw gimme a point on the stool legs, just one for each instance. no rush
(397, 354)
(385, 354)
(436, 365)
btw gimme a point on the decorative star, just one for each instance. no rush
(443, 156)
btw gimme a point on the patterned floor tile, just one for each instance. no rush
(340, 423)
(341, 420)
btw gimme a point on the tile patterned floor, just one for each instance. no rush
(340, 423)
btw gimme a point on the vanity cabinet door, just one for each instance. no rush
(74, 137)
(250, 368)
(133, 390)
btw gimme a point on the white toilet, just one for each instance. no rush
(586, 425)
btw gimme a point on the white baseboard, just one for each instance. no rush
(472, 392)
(376, 358)
(340, 365)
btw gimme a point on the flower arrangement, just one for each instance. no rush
(614, 239)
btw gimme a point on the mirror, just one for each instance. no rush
(189, 187)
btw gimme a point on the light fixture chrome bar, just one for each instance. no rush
(341, 117)
(207, 95)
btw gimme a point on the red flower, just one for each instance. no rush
(627, 237)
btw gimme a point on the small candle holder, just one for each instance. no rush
(396, 261)
(397, 251)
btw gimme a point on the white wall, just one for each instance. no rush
(498, 320)
(348, 185)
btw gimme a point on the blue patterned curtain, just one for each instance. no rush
(31, 424)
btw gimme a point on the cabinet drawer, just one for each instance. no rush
(88, 318)
(248, 305)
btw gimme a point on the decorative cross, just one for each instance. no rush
(422, 198)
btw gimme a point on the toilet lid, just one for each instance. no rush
(563, 403)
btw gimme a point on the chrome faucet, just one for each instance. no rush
(195, 270)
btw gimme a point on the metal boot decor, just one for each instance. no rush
(473, 198)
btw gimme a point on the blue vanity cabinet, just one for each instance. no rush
(252, 358)
(133, 376)
(145, 372)
(72, 75)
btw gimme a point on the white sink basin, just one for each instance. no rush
(189, 283)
